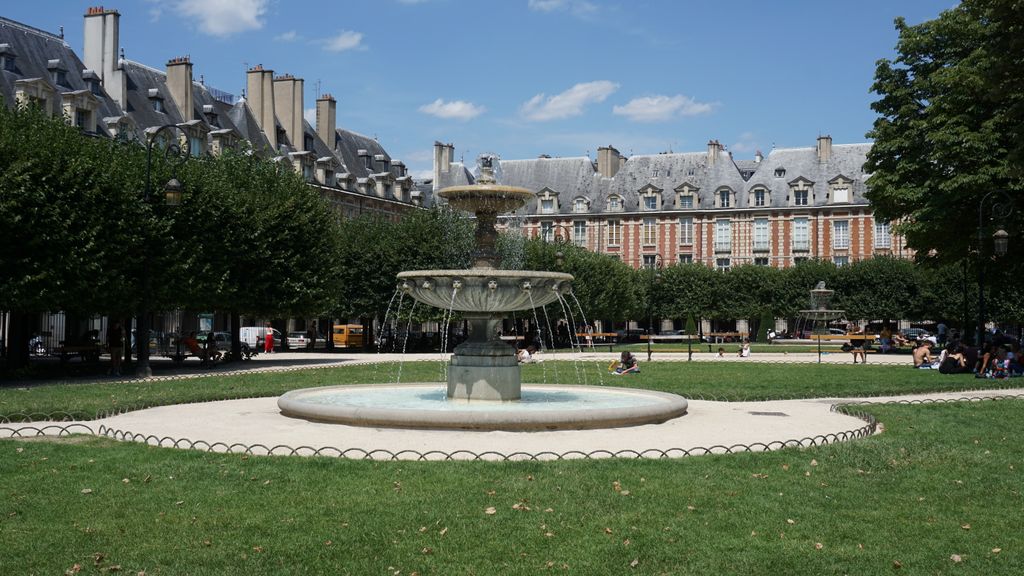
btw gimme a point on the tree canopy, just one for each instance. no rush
(951, 112)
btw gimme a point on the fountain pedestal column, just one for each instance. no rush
(484, 367)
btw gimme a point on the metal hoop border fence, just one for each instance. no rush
(847, 408)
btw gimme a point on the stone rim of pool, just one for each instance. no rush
(643, 407)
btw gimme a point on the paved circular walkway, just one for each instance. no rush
(257, 425)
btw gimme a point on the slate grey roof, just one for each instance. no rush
(570, 178)
(347, 145)
(34, 50)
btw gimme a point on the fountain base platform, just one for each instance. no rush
(426, 406)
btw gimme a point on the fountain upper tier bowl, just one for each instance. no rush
(485, 290)
(493, 198)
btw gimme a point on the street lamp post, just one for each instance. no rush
(1000, 206)
(172, 197)
(655, 268)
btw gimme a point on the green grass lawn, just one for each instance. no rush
(938, 493)
(726, 380)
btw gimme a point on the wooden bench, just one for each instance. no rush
(88, 352)
(869, 339)
(602, 339)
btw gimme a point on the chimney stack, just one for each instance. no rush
(714, 149)
(260, 97)
(608, 161)
(326, 119)
(179, 84)
(824, 148)
(442, 161)
(100, 51)
(758, 157)
(288, 91)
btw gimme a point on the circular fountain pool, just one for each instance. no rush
(542, 407)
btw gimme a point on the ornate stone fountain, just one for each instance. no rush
(484, 390)
(484, 367)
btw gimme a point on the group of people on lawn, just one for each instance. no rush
(998, 358)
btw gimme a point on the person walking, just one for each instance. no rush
(115, 345)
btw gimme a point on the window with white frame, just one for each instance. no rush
(724, 198)
(547, 231)
(800, 197)
(650, 231)
(686, 258)
(650, 202)
(761, 261)
(801, 234)
(614, 203)
(650, 261)
(547, 206)
(841, 234)
(759, 197)
(761, 236)
(841, 194)
(723, 235)
(686, 230)
(580, 205)
(722, 264)
(685, 201)
(614, 232)
(579, 232)
(840, 260)
(883, 234)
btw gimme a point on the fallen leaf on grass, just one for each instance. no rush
(956, 558)
(897, 564)
(257, 549)
(790, 521)
(818, 545)
(997, 550)
(443, 531)
(634, 563)
(427, 551)
(75, 569)
(490, 510)
(607, 530)
(86, 490)
(965, 526)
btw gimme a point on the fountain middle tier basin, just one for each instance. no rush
(424, 405)
(485, 290)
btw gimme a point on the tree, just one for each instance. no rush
(882, 288)
(687, 290)
(950, 110)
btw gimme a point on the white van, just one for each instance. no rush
(251, 334)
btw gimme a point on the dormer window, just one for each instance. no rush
(548, 201)
(686, 196)
(7, 56)
(156, 100)
(615, 203)
(801, 192)
(58, 74)
(580, 205)
(839, 190)
(307, 142)
(759, 198)
(780, 172)
(723, 198)
(650, 198)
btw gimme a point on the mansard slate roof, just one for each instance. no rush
(35, 49)
(347, 145)
(570, 178)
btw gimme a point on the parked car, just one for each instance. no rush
(914, 333)
(297, 340)
(672, 335)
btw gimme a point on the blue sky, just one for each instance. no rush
(522, 78)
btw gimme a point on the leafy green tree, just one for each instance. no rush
(797, 282)
(748, 291)
(687, 290)
(946, 126)
(880, 288)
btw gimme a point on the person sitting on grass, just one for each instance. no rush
(627, 364)
(745, 349)
(923, 353)
(528, 355)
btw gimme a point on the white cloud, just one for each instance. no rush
(225, 17)
(345, 40)
(576, 7)
(310, 115)
(660, 108)
(289, 36)
(747, 143)
(457, 110)
(568, 103)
